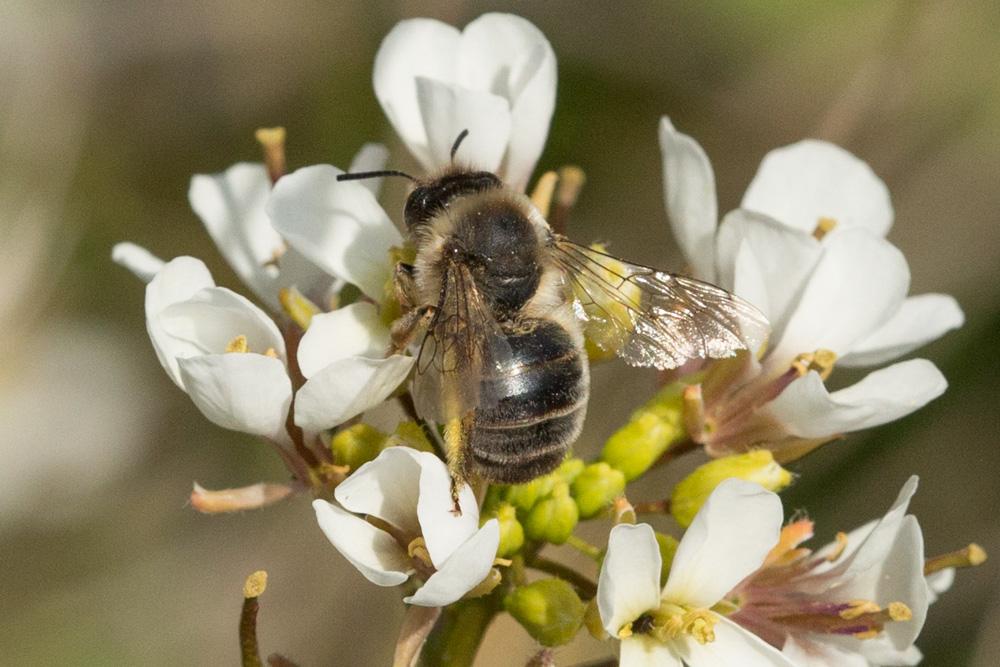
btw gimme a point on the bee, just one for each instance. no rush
(497, 307)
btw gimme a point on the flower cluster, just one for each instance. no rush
(303, 365)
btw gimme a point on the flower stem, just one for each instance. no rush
(254, 586)
(460, 630)
(584, 547)
(584, 586)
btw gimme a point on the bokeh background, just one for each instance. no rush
(107, 109)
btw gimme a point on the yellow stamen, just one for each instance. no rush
(859, 608)
(821, 361)
(417, 548)
(238, 344)
(541, 196)
(700, 624)
(297, 306)
(838, 550)
(255, 584)
(271, 352)
(673, 620)
(823, 227)
(899, 611)
(272, 140)
(791, 536)
(867, 634)
(970, 556)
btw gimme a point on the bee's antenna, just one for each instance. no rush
(360, 175)
(458, 142)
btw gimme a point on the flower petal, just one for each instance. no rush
(416, 47)
(178, 280)
(351, 331)
(444, 530)
(387, 487)
(372, 551)
(765, 262)
(858, 283)
(919, 320)
(807, 653)
(939, 582)
(463, 571)
(508, 56)
(338, 226)
(732, 646)
(231, 206)
(629, 583)
(809, 180)
(447, 109)
(728, 539)
(243, 392)
(346, 388)
(808, 410)
(370, 157)
(641, 651)
(144, 264)
(689, 191)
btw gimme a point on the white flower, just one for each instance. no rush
(835, 297)
(496, 78)
(729, 538)
(411, 527)
(217, 346)
(860, 600)
(231, 205)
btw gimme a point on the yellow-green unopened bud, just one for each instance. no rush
(649, 433)
(412, 435)
(668, 547)
(356, 445)
(549, 609)
(524, 496)
(595, 488)
(554, 518)
(757, 466)
(569, 469)
(511, 531)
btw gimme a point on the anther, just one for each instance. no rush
(859, 608)
(823, 227)
(970, 556)
(821, 361)
(272, 140)
(238, 345)
(838, 549)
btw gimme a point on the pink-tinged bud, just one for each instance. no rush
(250, 497)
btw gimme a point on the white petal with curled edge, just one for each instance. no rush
(340, 227)
(214, 316)
(510, 57)
(728, 539)
(859, 282)
(444, 530)
(244, 392)
(372, 551)
(808, 410)
(415, 47)
(809, 180)
(919, 320)
(346, 388)
(463, 571)
(351, 331)
(689, 192)
(629, 583)
(818, 654)
(765, 262)
(732, 646)
(640, 651)
(387, 487)
(231, 206)
(448, 109)
(178, 280)
(370, 157)
(144, 264)
(939, 582)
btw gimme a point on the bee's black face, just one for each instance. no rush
(428, 200)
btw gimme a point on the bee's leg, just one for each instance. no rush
(404, 329)
(456, 438)
(404, 286)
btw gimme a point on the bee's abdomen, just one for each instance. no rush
(543, 400)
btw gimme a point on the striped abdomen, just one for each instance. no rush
(544, 390)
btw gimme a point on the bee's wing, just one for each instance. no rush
(463, 344)
(654, 318)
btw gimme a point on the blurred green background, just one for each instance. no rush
(107, 109)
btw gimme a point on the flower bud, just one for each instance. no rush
(595, 488)
(569, 469)
(650, 431)
(524, 496)
(511, 531)
(549, 609)
(412, 435)
(668, 547)
(356, 445)
(756, 466)
(554, 518)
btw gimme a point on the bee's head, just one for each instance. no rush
(431, 197)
